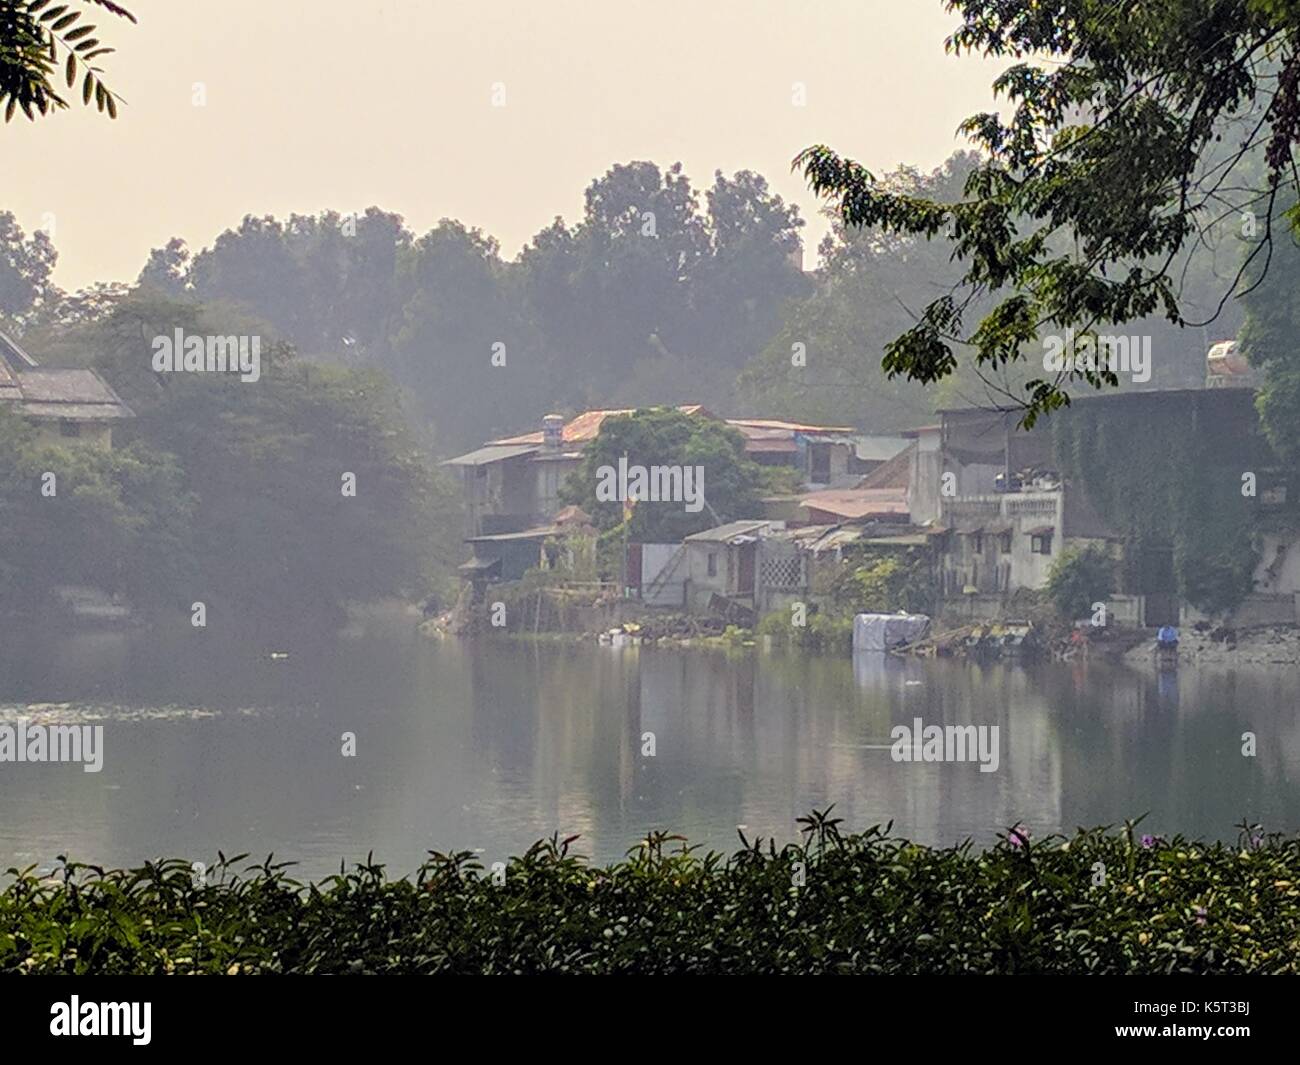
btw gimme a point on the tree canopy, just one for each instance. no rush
(654, 295)
(1139, 133)
(731, 484)
(222, 491)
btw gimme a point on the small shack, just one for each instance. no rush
(723, 561)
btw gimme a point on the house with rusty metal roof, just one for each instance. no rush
(513, 482)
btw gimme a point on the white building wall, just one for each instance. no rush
(663, 574)
(923, 483)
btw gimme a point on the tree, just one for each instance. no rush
(732, 484)
(25, 267)
(1080, 578)
(641, 239)
(1139, 132)
(646, 299)
(116, 519)
(167, 269)
(460, 345)
(230, 492)
(39, 44)
(754, 268)
(649, 299)
(1268, 338)
(253, 266)
(821, 364)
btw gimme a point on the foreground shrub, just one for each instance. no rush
(1102, 901)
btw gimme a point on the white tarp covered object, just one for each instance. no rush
(880, 632)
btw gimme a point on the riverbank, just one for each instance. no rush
(1263, 646)
(1099, 902)
(617, 622)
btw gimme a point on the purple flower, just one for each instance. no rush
(1149, 841)
(1200, 912)
(1018, 836)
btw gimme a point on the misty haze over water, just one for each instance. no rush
(488, 746)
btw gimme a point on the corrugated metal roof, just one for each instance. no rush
(726, 533)
(584, 428)
(793, 427)
(825, 437)
(839, 536)
(858, 502)
(485, 455)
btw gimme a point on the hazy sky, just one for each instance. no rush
(315, 104)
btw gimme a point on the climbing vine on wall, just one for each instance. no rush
(1168, 472)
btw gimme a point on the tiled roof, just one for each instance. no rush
(62, 393)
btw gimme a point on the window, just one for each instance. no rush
(70, 429)
(1041, 543)
(1005, 545)
(977, 543)
(713, 564)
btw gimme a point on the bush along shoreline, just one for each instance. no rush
(1102, 901)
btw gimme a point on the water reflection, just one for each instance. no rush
(489, 745)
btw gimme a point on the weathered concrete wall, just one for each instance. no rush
(924, 475)
(1258, 609)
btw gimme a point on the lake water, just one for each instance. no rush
(489, 745)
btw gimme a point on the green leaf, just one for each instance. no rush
(78, 33)
(87, 87)
(71, 71)
(9, 110)
(35, 5)
(99, 95)
(112, 105)
(67, 20)
(83, 46)
(54, 12)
